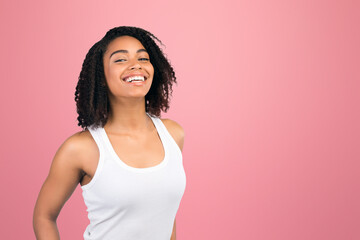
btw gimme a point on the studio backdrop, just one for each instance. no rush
(268, 95)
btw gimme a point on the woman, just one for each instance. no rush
(127, 160)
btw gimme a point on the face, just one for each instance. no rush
(124, 59)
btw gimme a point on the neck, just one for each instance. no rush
(128, 116)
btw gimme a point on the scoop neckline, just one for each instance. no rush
(136, 169)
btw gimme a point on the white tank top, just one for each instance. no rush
(129, 203)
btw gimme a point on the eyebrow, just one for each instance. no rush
(126, 51)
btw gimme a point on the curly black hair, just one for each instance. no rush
(91, 96)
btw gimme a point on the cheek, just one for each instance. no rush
(113, 73)
(108, 71)
(151, 69)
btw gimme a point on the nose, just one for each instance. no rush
(134, 65)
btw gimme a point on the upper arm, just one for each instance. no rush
(176, 131)
(64, 175)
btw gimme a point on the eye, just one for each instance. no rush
(144, 59)
(119, 60)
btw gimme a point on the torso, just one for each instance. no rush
(127, 148)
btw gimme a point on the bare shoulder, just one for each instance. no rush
(175, 130)
(77, 149)
(66, 171)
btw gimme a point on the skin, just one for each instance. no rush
(128, 128)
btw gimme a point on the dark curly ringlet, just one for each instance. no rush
(91, 94)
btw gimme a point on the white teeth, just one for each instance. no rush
(135, 78)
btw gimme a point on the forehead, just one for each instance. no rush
(124, 42)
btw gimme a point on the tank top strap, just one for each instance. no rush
(165, 134)
(96, 134)
(159, 126)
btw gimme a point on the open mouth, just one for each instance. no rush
(135, 79)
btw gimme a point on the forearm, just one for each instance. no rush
(45, 229)
(173, 235)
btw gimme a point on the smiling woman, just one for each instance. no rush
(127, 160)
(91, 91)
(116, 64)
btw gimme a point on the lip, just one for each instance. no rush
(136, 83)
(135, 74)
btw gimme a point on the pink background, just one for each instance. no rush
(268, 96)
